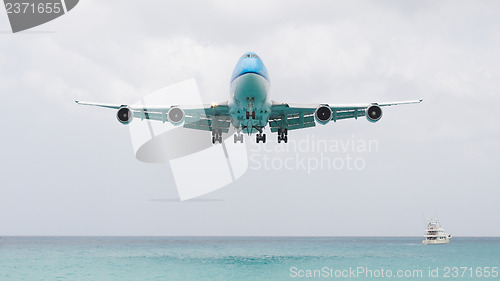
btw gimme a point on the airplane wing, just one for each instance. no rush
(298, 116)
(217, 116)
(199, 117)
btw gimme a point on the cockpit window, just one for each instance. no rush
(250, 56)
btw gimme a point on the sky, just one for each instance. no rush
(71, 170)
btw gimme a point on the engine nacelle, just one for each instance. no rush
(373, 113)
(176, 116)
(323, 114)
(124, 115)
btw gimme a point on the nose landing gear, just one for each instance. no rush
(252, 115)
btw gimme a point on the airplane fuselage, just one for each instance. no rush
(249, 103)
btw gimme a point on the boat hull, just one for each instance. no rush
(436, 242)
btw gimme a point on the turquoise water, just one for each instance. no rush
(242, 258)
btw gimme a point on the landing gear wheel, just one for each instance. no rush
(238, 138)
(216, 136)
(282, 135)
(253, 114)
(260, 137)
(248, 115)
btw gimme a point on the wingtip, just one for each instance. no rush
(77, 101)
(421, 100)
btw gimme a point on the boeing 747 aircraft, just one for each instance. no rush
(249, 109)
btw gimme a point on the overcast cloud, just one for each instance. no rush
(70, 170)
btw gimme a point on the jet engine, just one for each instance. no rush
(373, 113)
(176, 116)
(323, 114)
(124, 115)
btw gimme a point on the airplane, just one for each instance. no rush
(250, 109)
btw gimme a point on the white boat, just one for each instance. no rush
(434, 233)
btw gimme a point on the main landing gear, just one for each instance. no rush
(216, 136)
(238, 138)
(283, 135)
(260, 137)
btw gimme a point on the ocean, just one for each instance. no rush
(246, 258)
